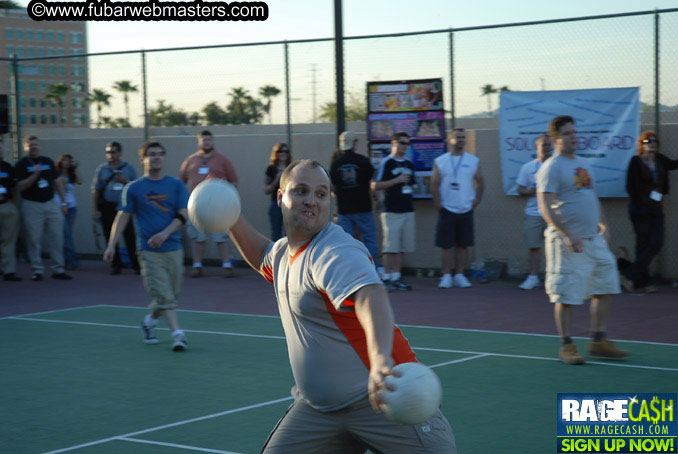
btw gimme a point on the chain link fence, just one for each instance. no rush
(225, 84)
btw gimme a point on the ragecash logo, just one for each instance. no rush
(617, 423)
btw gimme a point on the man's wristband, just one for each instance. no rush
(180, 217)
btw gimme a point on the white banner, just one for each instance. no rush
(607, 123)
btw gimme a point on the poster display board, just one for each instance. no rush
(416, 108)
(607, 124)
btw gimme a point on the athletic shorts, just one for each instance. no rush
(533, 231)
(454, 229)
(349, 430)
(200, 237)
(573, 277)
(398, 232)
(162, 274)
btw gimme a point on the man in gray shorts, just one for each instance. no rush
(579, 263)
(338, 322)
(534, 225)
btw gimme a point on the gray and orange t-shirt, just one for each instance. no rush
(325, 341)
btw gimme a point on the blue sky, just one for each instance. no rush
(297, 19)
(593, 54)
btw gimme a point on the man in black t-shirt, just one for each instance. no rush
(9, 220)
(395, 177)
(351, 174)
(37, 180)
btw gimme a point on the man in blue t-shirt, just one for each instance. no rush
(158, 203)
(396, 177)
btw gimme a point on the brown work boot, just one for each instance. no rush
(228, 272)
(606, 348)
(196, 271)
(569, 354)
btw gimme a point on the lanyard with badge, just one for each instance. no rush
(455, 185)
(204, 169)
(3, 190)
(42, 183)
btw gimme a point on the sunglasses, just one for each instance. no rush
(650, 141)
(403, 143)
(282, 151)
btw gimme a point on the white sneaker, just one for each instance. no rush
(461, 281)
(530, 283)
(446, 281)
(180, 343)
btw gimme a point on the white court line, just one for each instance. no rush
(174, 445)
(442, 350)
(52, 312)
(442, 328)
(112, 325)
(459, 360)
(167, 426)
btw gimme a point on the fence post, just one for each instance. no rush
(657, 113)
(145, 90)
(287, 95)
(452, 78)
(339, 66)
(16, 109)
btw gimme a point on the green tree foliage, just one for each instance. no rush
(268, 92)
(167, 115)
(100, 98)
(356, 109)
(56, 94)
(125, 87)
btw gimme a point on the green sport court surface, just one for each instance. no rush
(81, 381)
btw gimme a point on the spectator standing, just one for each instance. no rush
(534, 225)
(109, 180)
(351, 174)
(68, 168)
(9, 219)
(395, 177)
(38, 180)
(158, 203)
(457, 188)
(579, 263)
(647, 182)
(281, 156)
(207, 163)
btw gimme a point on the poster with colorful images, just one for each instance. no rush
(414, 107)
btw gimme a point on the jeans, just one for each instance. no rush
(648, 224)
(275, 216)
(364, 222)
(70, 256)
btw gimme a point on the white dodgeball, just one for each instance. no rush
(416, 397)
(214, 206)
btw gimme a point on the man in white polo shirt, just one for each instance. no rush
(534, 224)
(457, 187)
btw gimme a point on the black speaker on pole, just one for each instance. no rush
(4, 114)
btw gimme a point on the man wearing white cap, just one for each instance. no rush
(351, 174)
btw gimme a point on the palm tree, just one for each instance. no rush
(100, 98)
(9, 4)
(55, 95)
(238, 99)
(267, 92)
(488, 90)
(124, 87)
